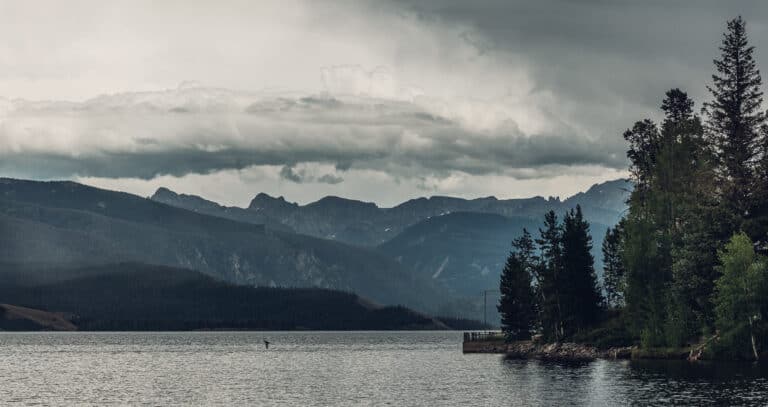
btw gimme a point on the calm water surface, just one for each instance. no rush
(359, 368)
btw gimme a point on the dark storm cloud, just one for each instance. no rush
(142, 136)
(594, 68)
(330, 179)
(288, 173)
(613, 60)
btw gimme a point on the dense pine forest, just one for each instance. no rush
(141, 297)
(686, 265)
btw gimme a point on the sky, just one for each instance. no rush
(380, 101)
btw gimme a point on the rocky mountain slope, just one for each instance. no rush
(366, 224)
(70, 223)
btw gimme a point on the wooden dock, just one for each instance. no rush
(484, 342)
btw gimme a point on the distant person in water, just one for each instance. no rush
(266, 344)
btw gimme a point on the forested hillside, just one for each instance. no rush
(132, 296)
(69, 223)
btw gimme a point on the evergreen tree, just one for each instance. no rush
(581, 298)
(695, 185)
(613, 266)
(517, 301)
(644, 143)
(669, 244)
(685, 180)
(549, 274)
(734, 122)
(647, 249)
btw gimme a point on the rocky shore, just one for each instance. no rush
(566, 351)
(560, 351)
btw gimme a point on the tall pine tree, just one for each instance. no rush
(646, 245)
(581, 296)
(685, 180)
(613, 266)
(549, 276)
(517, 301)
(734, 123)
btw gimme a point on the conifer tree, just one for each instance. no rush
(517, 301)
(646, 248)
(549, 275)
(685, 174)
(613, 266)
(734, 121)
(670, 244)
(644, 143)
(580, 293)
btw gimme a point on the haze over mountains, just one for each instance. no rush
(70, 223)
(432, 254)
(366, 224)
(460, 245)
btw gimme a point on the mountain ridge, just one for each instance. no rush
(366, 224)
(65, 222)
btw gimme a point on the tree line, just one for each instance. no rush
(687, 261)
(549, 284)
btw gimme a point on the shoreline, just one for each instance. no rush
(576, 352)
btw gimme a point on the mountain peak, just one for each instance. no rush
(190, 202)
(266, 202)
(163, 193)
(608, 195)
(332, 201)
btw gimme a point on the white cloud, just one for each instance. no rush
(334, 91)
(194, 129)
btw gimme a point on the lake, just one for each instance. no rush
(338, 368)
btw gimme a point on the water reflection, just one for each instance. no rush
(652, 382)
(341, 368)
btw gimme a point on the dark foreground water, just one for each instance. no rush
(363, 368)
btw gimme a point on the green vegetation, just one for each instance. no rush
(697, 183)
(518, 310)
(613, 266)
(687, 263)
(132, 296)
(741, 295)
(567, 297)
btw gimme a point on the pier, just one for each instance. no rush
(484, 342)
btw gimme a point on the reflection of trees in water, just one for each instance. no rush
(719, 371)
(720, 383)
(643, 382)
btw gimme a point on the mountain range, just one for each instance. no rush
(433, 254)
(69, 223)
(458, 244)
(366, 224)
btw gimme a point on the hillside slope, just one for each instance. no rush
(65, 222)
(463, 253)
(366, 224)
(130, 296)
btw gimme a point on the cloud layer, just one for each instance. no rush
(193, 129)
(355, 98)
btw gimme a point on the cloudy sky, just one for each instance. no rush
(375, 100)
